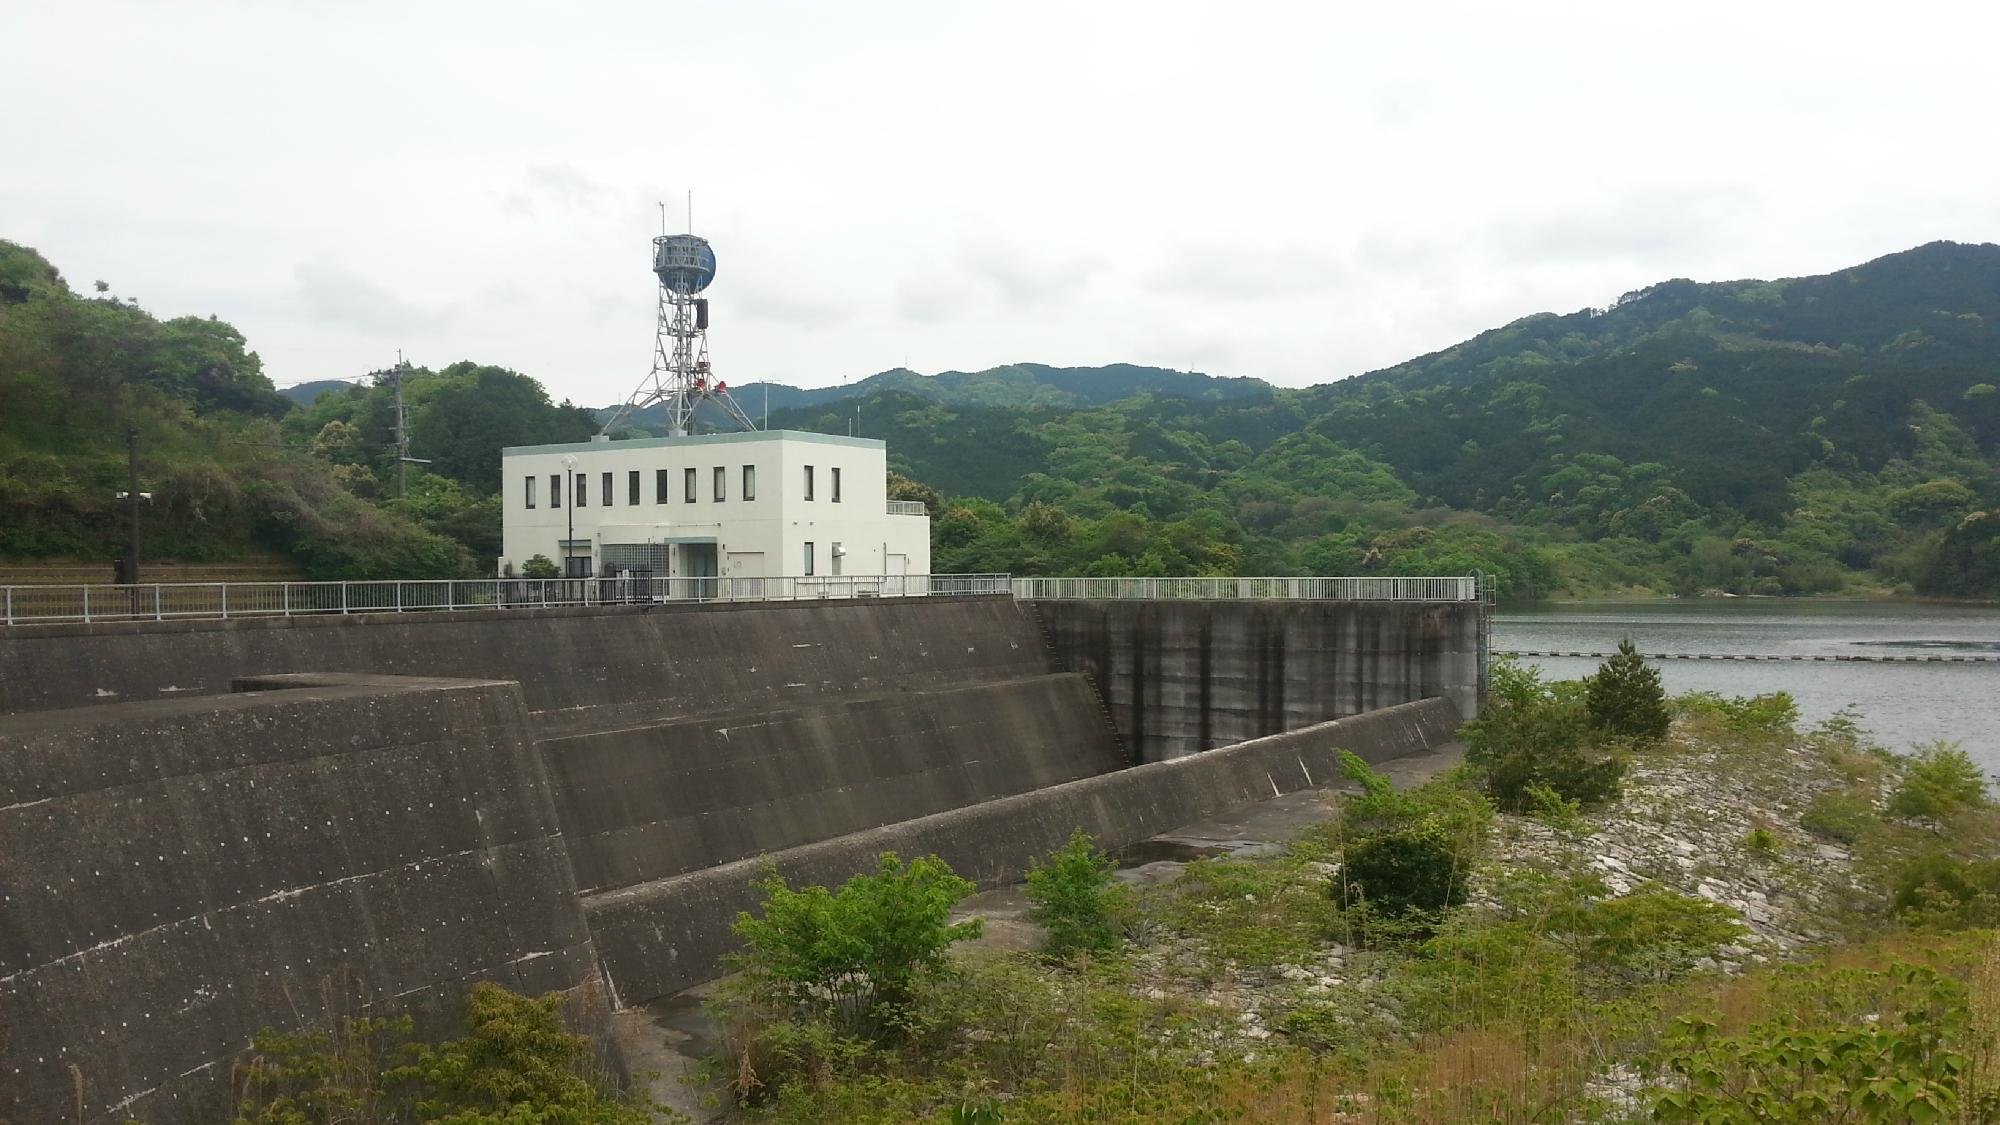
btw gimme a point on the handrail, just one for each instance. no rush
(29, 605)
(1360, 589)
(34, 605)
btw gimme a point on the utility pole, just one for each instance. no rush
(132, 505)
(402, 438)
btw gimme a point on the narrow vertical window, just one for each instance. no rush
(555, 490)
(687, 485)
(663, 488)
(582, 487)
(721, 480)
(809, 482)
(606, 494)
(836, 484)
(632, 488)
(749, 482)
(531, 492)
(809, 560)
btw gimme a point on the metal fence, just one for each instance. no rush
(908, 508)
(21, 605)
(26, 605)
(1464, 589)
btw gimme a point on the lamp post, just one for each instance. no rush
(569, 508)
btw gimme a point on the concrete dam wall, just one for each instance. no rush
(178, 874)
(1185, 676)
(578, 806)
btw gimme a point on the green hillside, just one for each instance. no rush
(1835, 434)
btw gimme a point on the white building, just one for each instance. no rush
(739, 505)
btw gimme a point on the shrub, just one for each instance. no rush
(1841, 817)
(1760, 840)
(1625, 698)
(1075, 899)
(1938, 889)
(1757, 714)
(1653, 932)
(854, 955)
(518, 1064)
(1535, 736)
(1938, 780)
(540, 566)
(1407, 851)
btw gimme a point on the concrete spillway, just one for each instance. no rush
(384, 809)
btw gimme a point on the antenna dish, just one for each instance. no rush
(684, 263)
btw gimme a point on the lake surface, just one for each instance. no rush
(1901, 705)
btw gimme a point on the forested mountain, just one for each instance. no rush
(1017, 384)
(1814, 435)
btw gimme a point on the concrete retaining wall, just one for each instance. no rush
(1180, 677)
(646, 802)
(661, 937)
(178, 874)
(579, 668)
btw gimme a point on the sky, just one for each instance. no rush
(1297, 192)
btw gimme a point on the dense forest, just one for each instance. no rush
(1817, 435)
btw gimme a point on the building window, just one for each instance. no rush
(582, 487)
(576, 566)
(531, 492)
(663, 488)
(749, 483)
(809, 560)
(721, 483)
(632, 488)
(809, 482)
(606, 494)
(687, 485)
(836, 484)
(555, 490)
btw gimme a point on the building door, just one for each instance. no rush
(698, 562)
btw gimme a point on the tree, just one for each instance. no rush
(540, 566)
(1075, 898)
(1625, 698)
(854, 955)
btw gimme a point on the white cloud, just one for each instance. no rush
(1290, 190)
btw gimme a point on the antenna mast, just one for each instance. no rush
(681, 378)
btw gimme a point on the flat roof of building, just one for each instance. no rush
(697, 439)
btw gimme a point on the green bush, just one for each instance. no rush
(1406, 851)
(540, 566)
(1076, 900)
(1625, 699)
(519, 1064)
(1938, 780)
(1841, 817)
(1771, 714)
(853, 955)
(1536, 736)
(1939, 889)
(1653, 933)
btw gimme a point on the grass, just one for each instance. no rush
(1248, 992)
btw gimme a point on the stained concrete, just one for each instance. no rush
(660, 937)
(177, 874)
(1180, 677)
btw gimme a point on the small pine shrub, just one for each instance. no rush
(1625, 698)
(1760, 840)
(1076, 900)
(1938, 780)
(540, 566)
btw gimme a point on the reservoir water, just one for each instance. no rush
(1901, 705)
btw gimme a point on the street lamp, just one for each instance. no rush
(569, 508)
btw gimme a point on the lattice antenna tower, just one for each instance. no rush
(681, 378)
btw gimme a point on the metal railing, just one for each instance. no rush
(1465, 589)
(908, 508)
(25, 605)
(28, 605)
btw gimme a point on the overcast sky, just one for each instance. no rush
(1298, 192)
